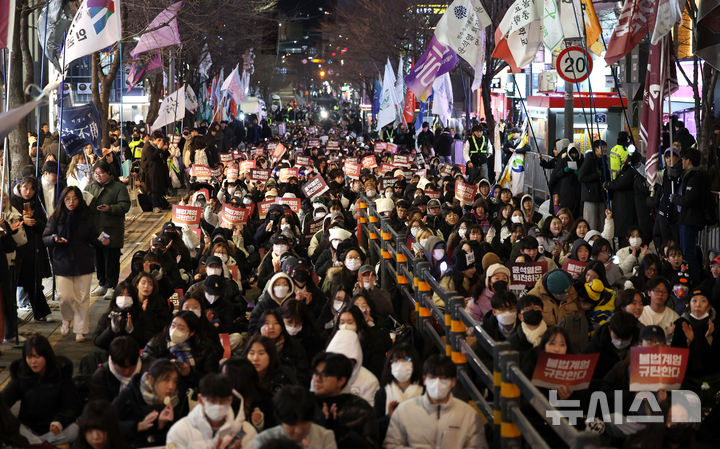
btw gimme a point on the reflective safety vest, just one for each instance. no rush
(618, 154)
(474, 149)
(136, 148)
(388, 136)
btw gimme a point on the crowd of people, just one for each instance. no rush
(261, 323)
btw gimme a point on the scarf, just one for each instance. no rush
(393, 392)
(71, 222)
(152, 399)
(534, 336)
(182, 352)
(124, 381)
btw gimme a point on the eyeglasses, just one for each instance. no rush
(660, 292)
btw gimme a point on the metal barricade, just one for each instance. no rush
(508, 384)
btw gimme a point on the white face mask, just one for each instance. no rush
(507, 318)
(438, 388)
(462, 232)
(279, 249)
(700, 317)
(414, 231)
(211, 298)
(367, 285)
(635, 242)
(319, 215)
(388, 195)
(197, 312)
(247, 201)
(284, 227)
(214, 271)
(438, 254)
(178, 337)
(337, 305)
(221, 256)
(216, 412)
(353, 264)
(292, 330)
(123, 302)
(280, 291)
(401, 370)
(335, 243)
(370, 193)
(348, 327)
(516, 219)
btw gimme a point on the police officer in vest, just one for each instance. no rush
(619, 153)
(388, 133)
(136, 144)
(477, 151)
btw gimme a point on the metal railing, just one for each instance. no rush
(504, 379)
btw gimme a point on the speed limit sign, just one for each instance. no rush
(574, 64)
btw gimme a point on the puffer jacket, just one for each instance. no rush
(554, 311)
(268, 301)
(419, 424)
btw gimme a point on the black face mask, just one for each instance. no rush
(499, 286)
(532, 317)
(301, 276)
(675, 171)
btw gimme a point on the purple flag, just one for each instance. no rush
(162, 31)
(140, 68)
(437, 60)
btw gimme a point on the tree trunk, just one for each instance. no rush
(101, 85)
(18, 143)
(156, 88)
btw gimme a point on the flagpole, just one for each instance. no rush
(122, 88)
(527, 114)
(60, 144)
(42, 74)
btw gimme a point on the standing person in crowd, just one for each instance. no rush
(108, 204)
(444, 146)
(155, 171)
(71, 237)
(32, 258)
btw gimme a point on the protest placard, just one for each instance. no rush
(574, 267)
(572, 370)
(386, 168)
(380, 147)
(352, 169)
(235, 215)
(278, 151)
(312, 228)
(186, 215)
(401, 161)
(303, 161)
(247, 165)
(465, 192)
(286, 173)
(257, 151)
(226, 158)
(264, 207)
(523, 275)
(232, 173)
(658, 367)
(369, 162)
(294, 203)
(432, 194)
(259, 175)
(315, 187)
(391, 147)
(201, 172)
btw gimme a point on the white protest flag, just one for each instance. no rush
(388, 100)
(668, 14)
(480, 63)
(96, 25)
(234, 85)
(191, 101)
(205, 62)
(572, 23)
(400, 86)
(172, 109)
(460, 27)
(552, 26)
(519, 35)
(443, 98)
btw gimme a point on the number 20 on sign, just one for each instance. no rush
(574, 64)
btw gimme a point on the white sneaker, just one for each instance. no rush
(65, 329)
(109, 294)
(80, 338)
(99, 291)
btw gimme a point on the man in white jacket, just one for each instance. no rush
(212, 424)
(436, 419)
